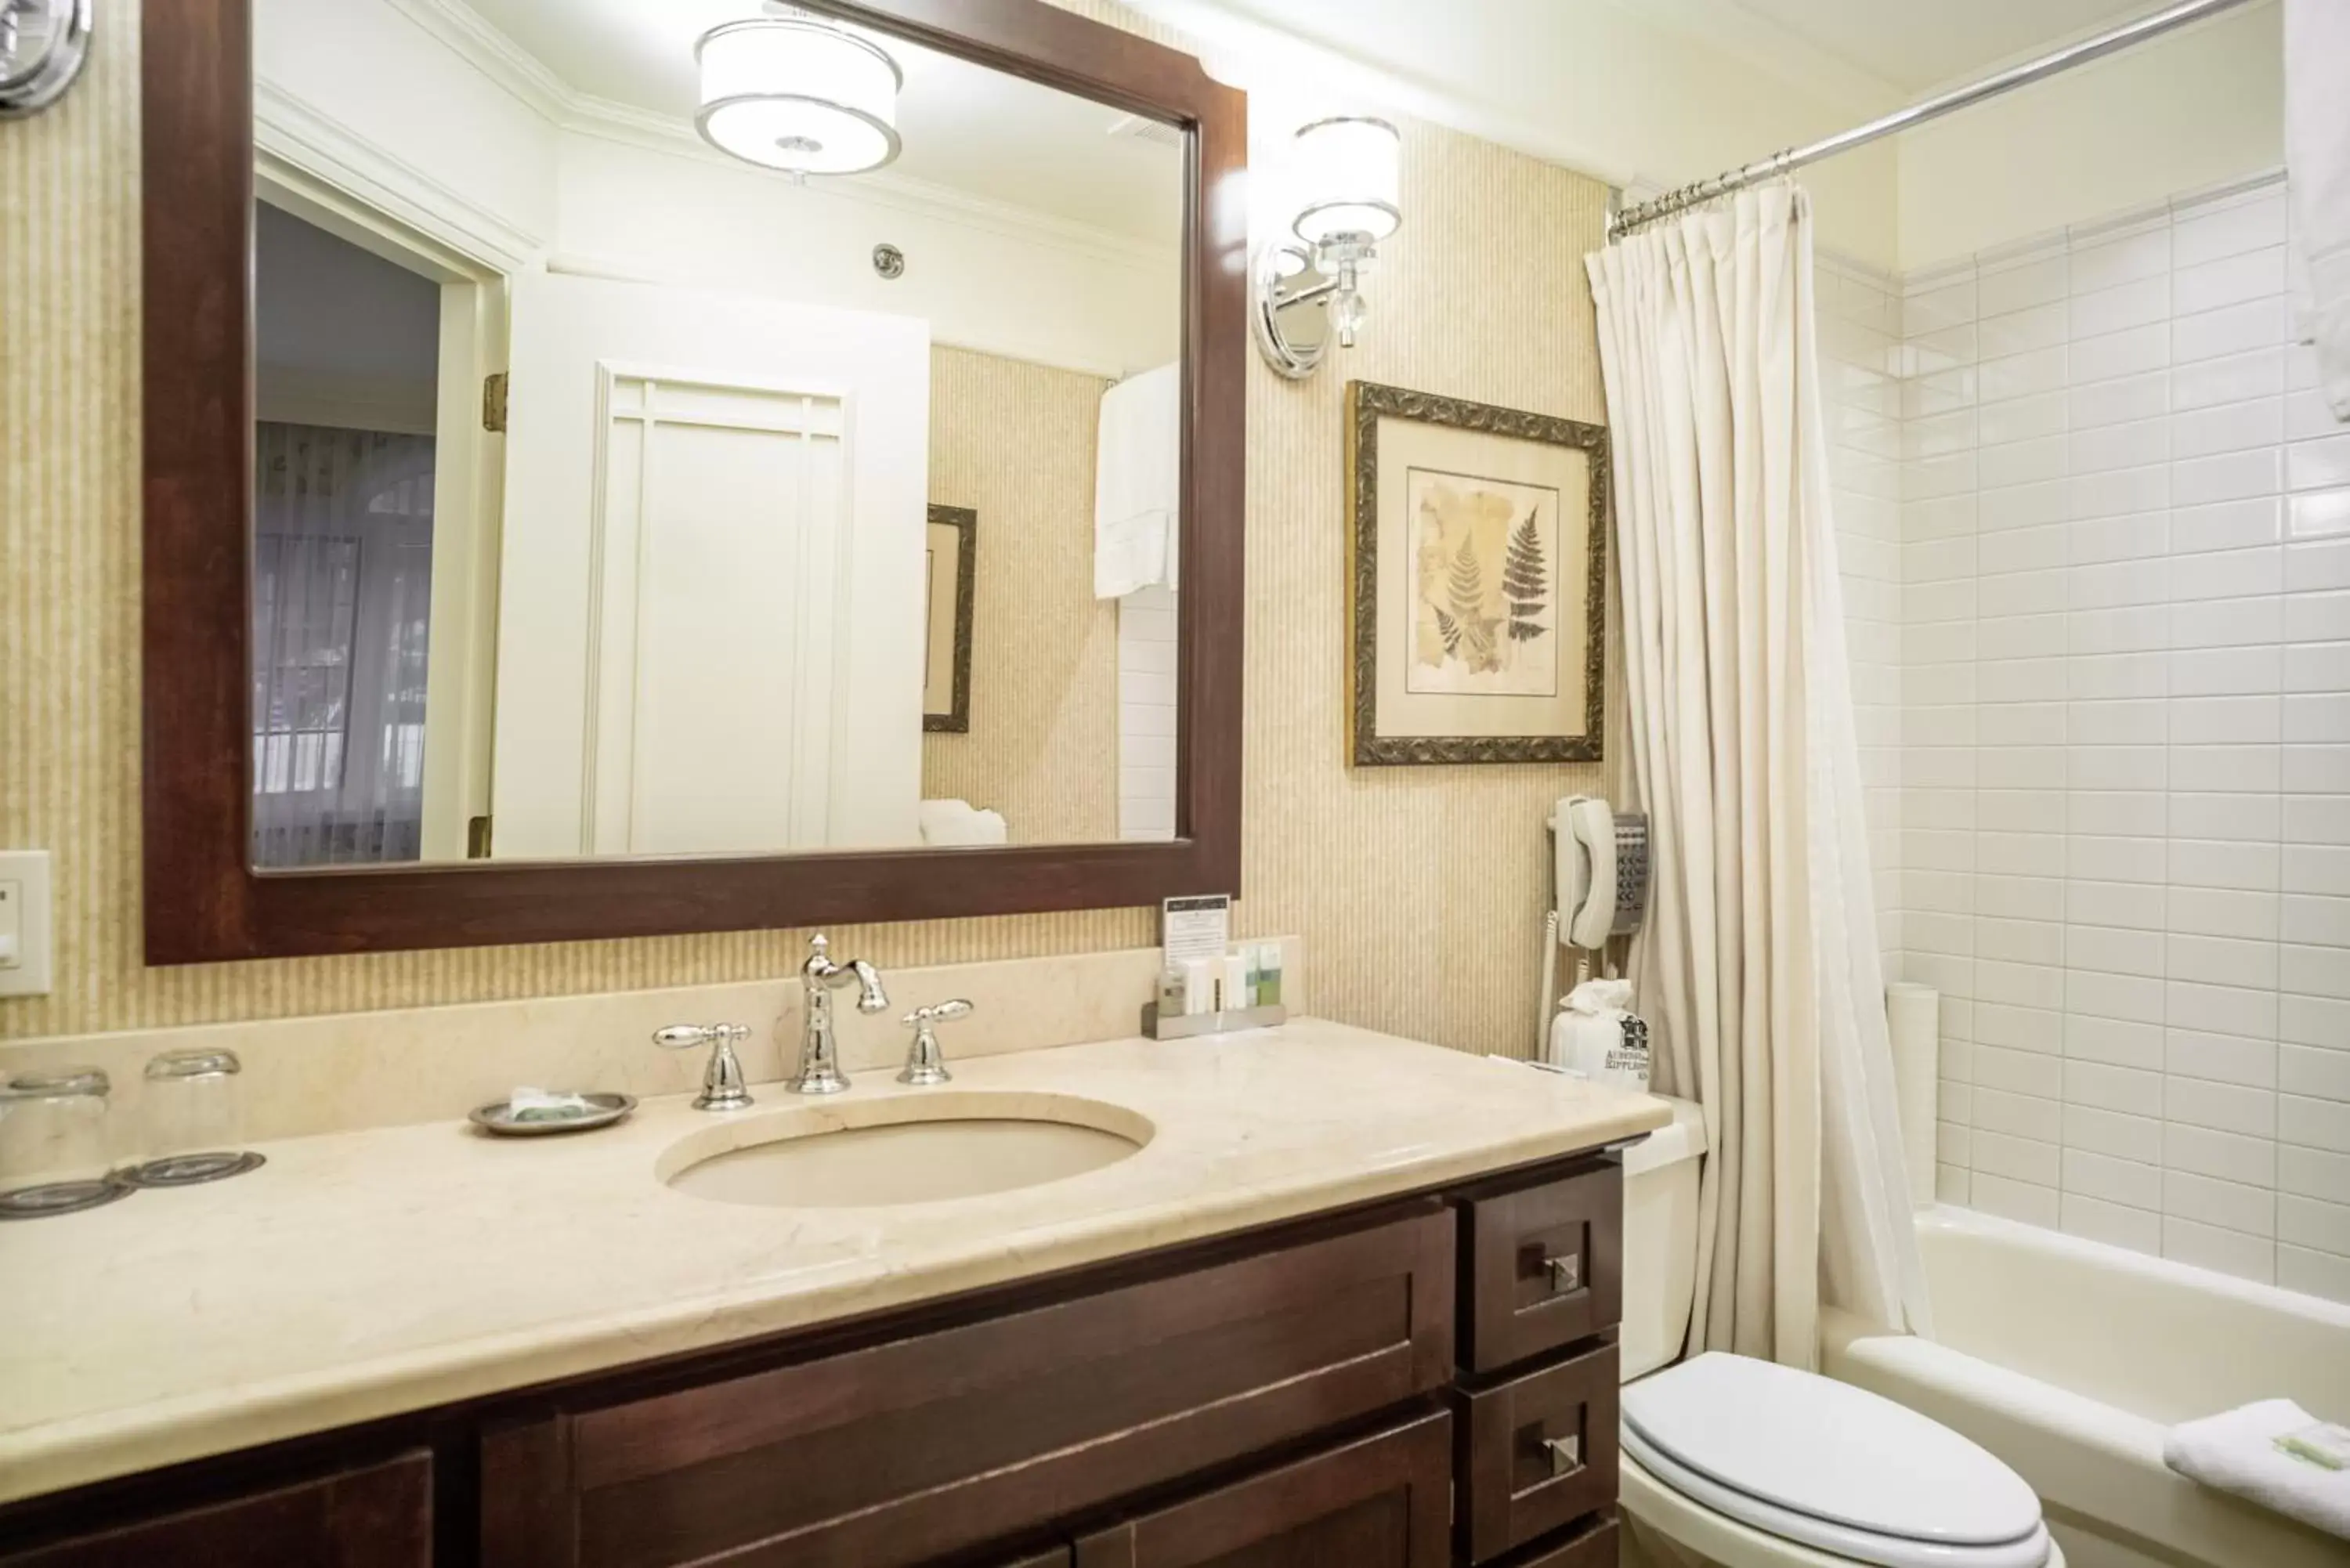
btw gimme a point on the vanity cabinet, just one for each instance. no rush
(932, 1444)
(1423, 1382)
(1380, 1501)
(375, 1516)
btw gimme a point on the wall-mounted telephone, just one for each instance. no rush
(1585, 830)
(1602, 858)
(1603, 870)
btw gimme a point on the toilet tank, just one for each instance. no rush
(1661, 1239)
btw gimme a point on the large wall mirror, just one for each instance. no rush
(618, 469)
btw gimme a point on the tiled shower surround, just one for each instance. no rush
(2094, 522)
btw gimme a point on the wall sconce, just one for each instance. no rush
(1347, 171)
(43, 44)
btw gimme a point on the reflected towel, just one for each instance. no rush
(2237, 1452)
(1138, 482)
(2317, 170)
(958, 822)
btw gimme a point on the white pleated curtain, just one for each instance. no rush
(1758, 966)
(342, 590)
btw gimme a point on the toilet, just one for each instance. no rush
(1743, 1463)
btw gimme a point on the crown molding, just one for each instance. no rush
(463, 31)
(303, 137)
(642, 128)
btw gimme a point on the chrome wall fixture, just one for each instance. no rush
(43, 44)
(1347, 171)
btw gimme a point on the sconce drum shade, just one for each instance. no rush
(800, 95)
(1348, 171)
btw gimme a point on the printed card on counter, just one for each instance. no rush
(1199, 926)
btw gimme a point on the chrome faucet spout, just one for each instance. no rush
(820, 1071)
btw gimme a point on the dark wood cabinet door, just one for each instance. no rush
(376, 1517)
(936, 1444)
(1381, 1501)
(1537, 1452)
(1542, 1266)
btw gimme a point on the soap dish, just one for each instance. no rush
(604, 1110)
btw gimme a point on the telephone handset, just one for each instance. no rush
(1586, 870)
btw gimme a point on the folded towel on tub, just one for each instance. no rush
(2273, 1453)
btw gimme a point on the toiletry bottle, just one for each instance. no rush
(1199, 987)
(1236, 983)
(1171, 1002)
(1268, 974)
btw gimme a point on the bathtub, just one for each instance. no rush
(2069, 1359)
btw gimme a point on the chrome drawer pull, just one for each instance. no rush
(1566, 1454)
(1565, 1274)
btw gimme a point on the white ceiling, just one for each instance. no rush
(1862, 52)
(1914, 45)
(964, 127)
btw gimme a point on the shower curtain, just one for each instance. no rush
(1758, 966)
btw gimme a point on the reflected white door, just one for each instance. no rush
(710, 635)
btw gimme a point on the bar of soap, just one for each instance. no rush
(526, 1105)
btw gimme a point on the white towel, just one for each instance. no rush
(1138, 482)
(2237, 1452)
(957, 822)
(2318, 169)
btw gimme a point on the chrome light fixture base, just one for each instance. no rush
(1296, 355)
(44, 45)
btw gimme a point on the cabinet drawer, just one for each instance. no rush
(941, 1442)
(1538, 1452)
(1544, 1266)
(380, 1516)
(1382, 1502)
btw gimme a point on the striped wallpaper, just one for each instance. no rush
(1015, 441)
(1418, 891)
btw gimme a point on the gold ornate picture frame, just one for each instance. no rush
(1477, 581)
(952, 577)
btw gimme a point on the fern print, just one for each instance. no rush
(1467, 585)
(1525, 582)
(1449, 629)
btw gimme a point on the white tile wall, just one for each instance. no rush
(1146, 714)
(2121, 838)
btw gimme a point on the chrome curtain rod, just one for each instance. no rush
(1793, 158)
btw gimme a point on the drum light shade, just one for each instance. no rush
(1347, 171)
(800, 95)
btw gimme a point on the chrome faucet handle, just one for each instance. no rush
(722, 1088)
(925, 1064)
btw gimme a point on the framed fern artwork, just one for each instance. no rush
(1477, 607)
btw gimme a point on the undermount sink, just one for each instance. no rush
(908, 1148)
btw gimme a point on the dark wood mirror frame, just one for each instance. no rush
(204, 900)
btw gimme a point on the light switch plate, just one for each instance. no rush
(24, 915)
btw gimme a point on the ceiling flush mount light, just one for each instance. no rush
(793, 92)
(1347, 174)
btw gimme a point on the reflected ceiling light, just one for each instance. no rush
(793, 92)
(1347, 174)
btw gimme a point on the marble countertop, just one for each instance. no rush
(360, 1274)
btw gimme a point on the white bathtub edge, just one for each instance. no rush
(2098, 1466)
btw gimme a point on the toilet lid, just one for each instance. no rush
(1827, 1450)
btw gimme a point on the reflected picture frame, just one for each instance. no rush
(953, 536)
